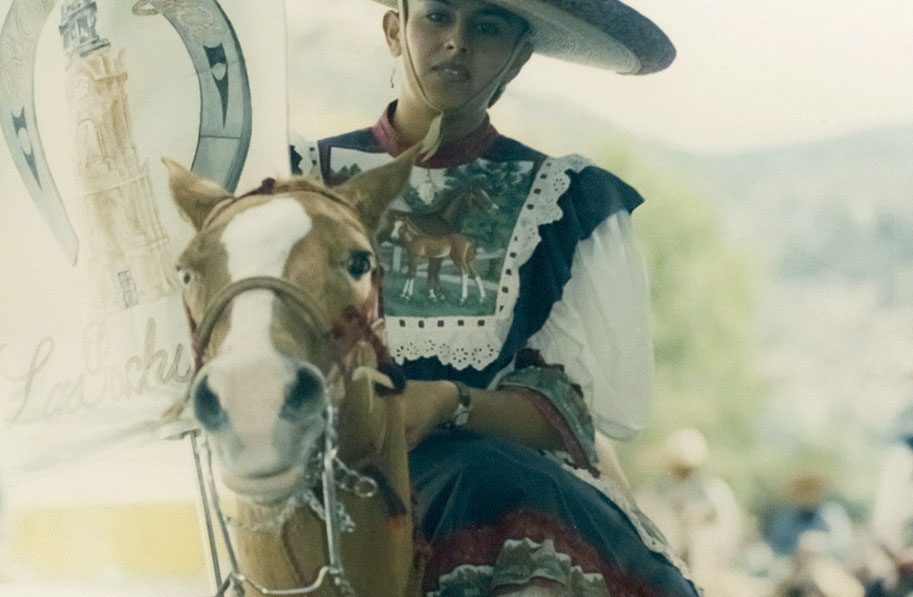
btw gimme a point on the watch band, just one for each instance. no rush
(464, 406)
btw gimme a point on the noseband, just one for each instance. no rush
(202, 332)
(325, 468)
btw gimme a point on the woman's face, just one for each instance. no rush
(459, 47)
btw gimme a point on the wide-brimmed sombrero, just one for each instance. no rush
(602, 33)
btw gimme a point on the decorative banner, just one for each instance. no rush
(93, 94)
(18, 44)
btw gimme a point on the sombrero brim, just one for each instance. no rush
(602, 33)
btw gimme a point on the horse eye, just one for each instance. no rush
(187, 276)
(359, 264)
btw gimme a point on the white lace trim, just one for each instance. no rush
(310, 155)
(541, 561)
(476, 341)
(464, 574)
(479, 339)
(313, 157)
(621, 499)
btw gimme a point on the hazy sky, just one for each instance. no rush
(750, 73)
(761, 72)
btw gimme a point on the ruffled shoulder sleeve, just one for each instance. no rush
(592, 312)
(599, 330)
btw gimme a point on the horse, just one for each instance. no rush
(444, 219)
(447, 218)
(453, 212)
(281, 287)
(460, 248)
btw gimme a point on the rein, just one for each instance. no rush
(325, 468)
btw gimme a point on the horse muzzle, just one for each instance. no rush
(264, 421)
(265, 488)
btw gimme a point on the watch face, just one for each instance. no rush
(461, 419)
(464, 406)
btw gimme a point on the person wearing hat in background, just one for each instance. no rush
(815, 572)
(892, 513)
(696, 511)
(810, 508)
(532, 329)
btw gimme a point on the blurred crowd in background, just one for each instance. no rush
(806, 546)
(808, 541)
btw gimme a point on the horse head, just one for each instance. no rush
(478, 198)
(281, 286)
(402, 229)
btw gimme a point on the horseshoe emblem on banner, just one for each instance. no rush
(18, 45)
(224, 132)
(225, 100)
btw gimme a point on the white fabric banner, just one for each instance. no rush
(93, 94)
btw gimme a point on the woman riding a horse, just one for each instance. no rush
(505, 394)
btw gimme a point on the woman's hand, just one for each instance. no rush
(426, 404)
(505, 413)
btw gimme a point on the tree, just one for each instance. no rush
(703, 293)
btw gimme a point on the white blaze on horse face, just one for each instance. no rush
(248, 374)
(397, 227)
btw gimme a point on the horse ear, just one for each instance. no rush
(372, 191)
(194, 196)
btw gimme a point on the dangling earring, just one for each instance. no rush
(393, 74)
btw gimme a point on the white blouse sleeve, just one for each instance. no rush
(600, 332)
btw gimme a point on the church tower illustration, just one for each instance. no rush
(129, 257)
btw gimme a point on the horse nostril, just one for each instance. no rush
(206, 406)
(307, 389)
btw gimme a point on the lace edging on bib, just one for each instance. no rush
(478, 340)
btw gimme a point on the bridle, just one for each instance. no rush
(324, 469)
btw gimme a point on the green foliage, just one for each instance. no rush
(703, 294)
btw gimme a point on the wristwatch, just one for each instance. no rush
(464, 406)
